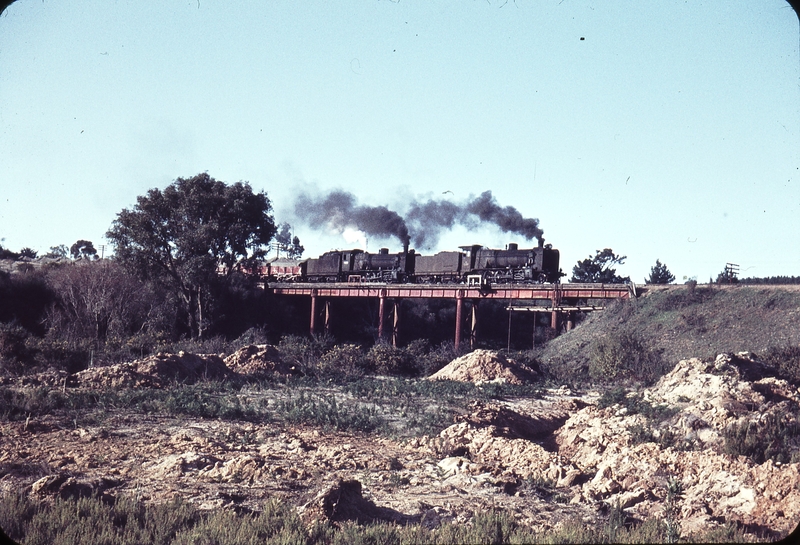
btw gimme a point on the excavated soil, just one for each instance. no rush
(153, 372)
(484, 366)
(556, 458)
(258, 361)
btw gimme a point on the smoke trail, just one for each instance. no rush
(338, 210)
(507, 218)
(427, 220)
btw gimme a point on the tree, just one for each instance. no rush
(28, 252)
(288, 244)
(598, 269)
(7, 254)
(192, 235)
(60, 251)
(96, 300)
(83, 249)
(660, 274)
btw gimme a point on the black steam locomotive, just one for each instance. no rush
(472, 265)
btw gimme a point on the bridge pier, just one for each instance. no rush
(395, 335)
(473, 330)
(459, 316)
(381, 312)
(396, 322)
(313, 312)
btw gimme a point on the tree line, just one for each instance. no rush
(177, 273)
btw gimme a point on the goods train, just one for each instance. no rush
(472, 265)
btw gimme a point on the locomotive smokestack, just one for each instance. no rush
(541, 242)
(513, 246)
(405, 247)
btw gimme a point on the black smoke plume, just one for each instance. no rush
(424, 222)
(427, 220)
(338, 210)
(506, 218)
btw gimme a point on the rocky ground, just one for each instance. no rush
(548, 459)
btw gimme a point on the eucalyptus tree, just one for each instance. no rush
(192, 236)
(598, 268)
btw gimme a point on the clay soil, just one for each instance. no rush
(547, 457)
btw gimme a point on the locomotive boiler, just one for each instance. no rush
(360, 266)
(473, 264)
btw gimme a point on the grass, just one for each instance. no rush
(390, 406)
(124, 521)
(640, 340)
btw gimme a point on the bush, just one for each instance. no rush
(773, 437)
(342, 360)
(303, 352)
(390, 360)
(785, 361)
(326, 412)
(70, 356)
(621, 355)
(14, 354)
(426, 360)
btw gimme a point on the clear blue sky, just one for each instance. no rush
(665, 130)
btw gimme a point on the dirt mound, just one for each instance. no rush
(258, 360)
(484, 366)
(499, 440)
(685, 448)
(52, 377)
(344, 501)
(154, 371)
(64, 486)
(511, 424)
(714, 395)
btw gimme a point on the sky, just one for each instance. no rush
(664, 130)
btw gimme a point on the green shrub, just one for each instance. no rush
(70, 356)
(302, 352)
(389, 360)
(14, 353)
(123, 521)
(327, 412)
(426, 360)
(773, 437)
(623, 355)
(342, 360)
(785, 361)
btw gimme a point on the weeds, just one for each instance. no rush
(672, 510)
(623, 354)
(785, 361)
(326, 412)
(124, 521)
(634, 404)
(773, 437)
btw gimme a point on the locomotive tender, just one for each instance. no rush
(473, 264)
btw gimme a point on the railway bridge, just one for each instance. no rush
(561, 301)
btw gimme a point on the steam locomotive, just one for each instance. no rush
(472, 265)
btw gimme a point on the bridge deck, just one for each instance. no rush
(456, 291)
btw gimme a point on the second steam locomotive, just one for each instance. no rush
(472, 265)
